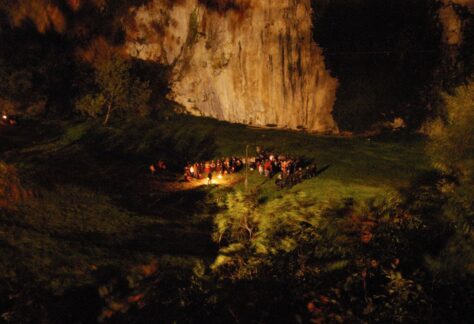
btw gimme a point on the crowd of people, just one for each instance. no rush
(208, 169)
(160, 165)
(289, 171)
(7, 120)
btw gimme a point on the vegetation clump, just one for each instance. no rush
(451, 147)
(117, 90)
(11, 190)
(292, 255)
(403, 258)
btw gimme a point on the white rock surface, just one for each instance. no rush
(256, 63)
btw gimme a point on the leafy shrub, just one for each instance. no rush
(11, 190)
(346, 261)
(452, 137)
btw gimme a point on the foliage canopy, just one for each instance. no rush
(452, 136)
(118, 90)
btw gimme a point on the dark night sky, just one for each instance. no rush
(383, 52)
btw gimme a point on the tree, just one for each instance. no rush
(451, 147)
(16, 86)
(237, 223)
(118, 90)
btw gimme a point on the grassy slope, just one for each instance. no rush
(83, 219)
(359, 167)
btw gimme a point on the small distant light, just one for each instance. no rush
(5, 117)
(219, 176)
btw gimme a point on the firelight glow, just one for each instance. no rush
(219, 180)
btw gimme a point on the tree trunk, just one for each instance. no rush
(107, 116)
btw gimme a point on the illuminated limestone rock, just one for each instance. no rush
(248, 61)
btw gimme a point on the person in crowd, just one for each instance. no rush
(187, 173)
(161, 165)
(197, 171)
(280, 182)
(267, 168)
(252, 163)
(152, 169)
(202, 170)
(209, 178)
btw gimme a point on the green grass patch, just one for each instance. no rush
(85, 177)
(358, 167)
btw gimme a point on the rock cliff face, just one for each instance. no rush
(248, 61)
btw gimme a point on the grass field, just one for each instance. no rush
(358, 167)
(96, 207)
